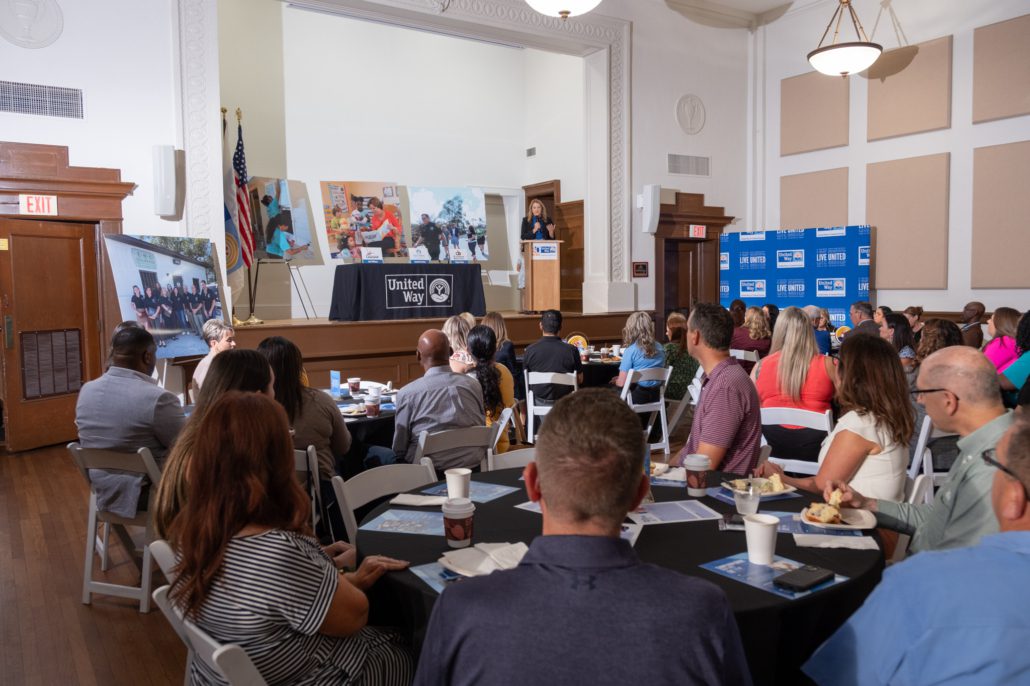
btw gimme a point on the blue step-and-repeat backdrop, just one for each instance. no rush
(826, 267)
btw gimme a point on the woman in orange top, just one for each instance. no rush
(380, 217)
(795, 375)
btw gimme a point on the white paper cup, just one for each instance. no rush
(616, 349)
(354, 384)
(760, 531)
(458, 482)
(458, 517)
(697, 474)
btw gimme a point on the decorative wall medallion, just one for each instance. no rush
(31, 23)
(690, 114)
(439, 5)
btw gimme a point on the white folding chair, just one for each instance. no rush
(532, 409)
(746, 355)
(139, 462)
(689, 399)
(511, 459)
(165, 558)
(822, 421)
(306, 467)
(656, 408)
(375, 483)
(229, 660)
(922, 459)
(502, 424)
(438, 442)
(763, 455)
(917, 491)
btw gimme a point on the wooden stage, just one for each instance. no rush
(385, 350)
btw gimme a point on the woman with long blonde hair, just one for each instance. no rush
(457, 328)
(536, 225)
(753, 336)
(795, 374)
(641, 352)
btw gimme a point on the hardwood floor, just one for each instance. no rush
(47, 636)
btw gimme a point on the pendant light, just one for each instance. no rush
(841, 59)
(563, 8)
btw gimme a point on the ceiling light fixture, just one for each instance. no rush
(841, 59)
(563, 8)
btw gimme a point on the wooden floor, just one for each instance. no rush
(47, 636)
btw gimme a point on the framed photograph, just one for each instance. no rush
(640, 270)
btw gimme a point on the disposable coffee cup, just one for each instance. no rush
(616, 349)
(372, 406)
(697, 474)
(354, 384)
(458, 480)
(458, 514)
(584, 356)
(591, 349)
(760, 531)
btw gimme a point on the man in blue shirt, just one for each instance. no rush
(950, 617)
(580, 607)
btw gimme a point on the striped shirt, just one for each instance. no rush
(728, 415)
(271, 597)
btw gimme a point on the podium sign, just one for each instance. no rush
(541, 261)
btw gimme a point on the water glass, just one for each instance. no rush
(747, 501)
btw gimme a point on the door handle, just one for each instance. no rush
(8, 331)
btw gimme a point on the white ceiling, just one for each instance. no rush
(752, 6)
(733, 13)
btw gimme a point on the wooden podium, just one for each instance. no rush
(542, 262)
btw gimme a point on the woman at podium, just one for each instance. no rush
(537, 226)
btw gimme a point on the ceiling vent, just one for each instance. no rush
(531, 152)
(42, 101)
(691, 165)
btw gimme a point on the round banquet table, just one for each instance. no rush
(598, 373)
(778, 634)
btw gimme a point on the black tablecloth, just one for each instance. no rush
(365, 432)
(597, 373)
(367, 292)
(778, 634)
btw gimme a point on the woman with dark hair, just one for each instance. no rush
(246, 371)
(381, 218)
(1014, 377)
(249, 571)
(314, 416)
(505, 350)
(496, 381)
(880, 312)
(914, 316)
(1002, 325)
(936, 334)
(895, 330)
(771, 312)
(737, 310)
(684, 366)
(869, 445)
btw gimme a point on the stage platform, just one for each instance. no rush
(385, 350)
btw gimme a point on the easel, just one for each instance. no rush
(295, 274)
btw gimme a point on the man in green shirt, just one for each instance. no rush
(958, 386)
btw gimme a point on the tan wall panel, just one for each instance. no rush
(907, 202)
(813, 113)
(1001, 70)
(910, 90)
(1001, 216)
(814, 199)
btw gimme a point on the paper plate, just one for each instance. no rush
(850, 519)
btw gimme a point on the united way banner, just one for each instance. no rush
(827, 267)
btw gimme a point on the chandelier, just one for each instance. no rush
(563, 8)
(841, 59)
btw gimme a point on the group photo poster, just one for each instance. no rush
(283, 221)
(363, 214)
(168, 286)
(450, 222)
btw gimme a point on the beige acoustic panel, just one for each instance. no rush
(1001, 216)
(907, 202)
(910, 90)
(1001, 70)
(814, 199)
(813, 113)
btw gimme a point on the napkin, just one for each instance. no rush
(484, 558)
(415, 500)
(827, 541)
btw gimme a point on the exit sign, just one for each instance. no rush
(40, 205)
(698, 230)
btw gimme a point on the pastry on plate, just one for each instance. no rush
(826, 513)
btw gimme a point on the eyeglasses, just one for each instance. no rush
(916, 392)
(989, 457)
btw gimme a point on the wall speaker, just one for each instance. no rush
(649, 201)
(164, 181)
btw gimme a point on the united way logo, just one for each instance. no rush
(790, 234)
(831, 257)
(752, 288)
(724, 261)
(837, 316)
(752, 259)
(863, 256)
(724, 288)
(790, 259)
(418, 290)
(831, 232)
(790, 288)
(752, 236)
(831, 288)
(439, 290)
(863, 287)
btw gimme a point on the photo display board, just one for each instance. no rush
(826, 267)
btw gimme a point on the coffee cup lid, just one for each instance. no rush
(458, 506)
(696, 461)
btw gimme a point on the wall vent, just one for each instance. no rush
(530, 152)
(690, 164)
(43, 101)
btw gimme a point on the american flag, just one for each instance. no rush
(239, 177)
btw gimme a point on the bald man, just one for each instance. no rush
(439, 400)
(958, 386)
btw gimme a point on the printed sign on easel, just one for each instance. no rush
(372, 255)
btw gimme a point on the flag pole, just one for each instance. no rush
(252, 319)
(236, 322)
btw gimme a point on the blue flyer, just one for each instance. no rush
(436, 576)
(721, 494)
(738, 567)
(479, 492)
(407, 522)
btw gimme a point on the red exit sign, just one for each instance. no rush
(698, 230)
(40, 205)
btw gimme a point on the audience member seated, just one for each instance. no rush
(684, 367)
(879, 313)
(959, 389)
(1001, 326)
(440, 400)
(727, 424)
(641, 352)
(581, 608)
(861, 314)
(246, 371)
(1013, 378)
(937, 334)
(823, 339)
(456, 328)
(505, 351)
(125, 410)
(972, 317)
(795, 375)
(754, 336)
(737, 310)
(249, 571)
(772, 313)
(219, 337)
(896, 331)
(314, 418)
(914, 316)
(949, 617)
(552, 354)
(494, 379)
(868, 447)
